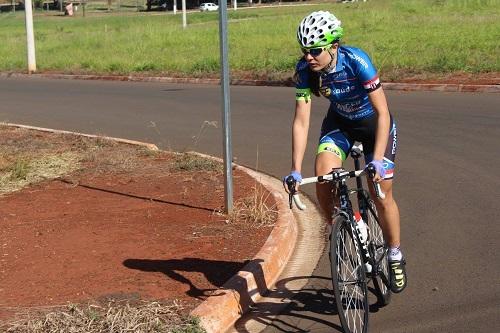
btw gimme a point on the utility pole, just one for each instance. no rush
(184, 20)
(30, 36)
(226, 112)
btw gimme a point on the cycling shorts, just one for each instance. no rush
(338, 135)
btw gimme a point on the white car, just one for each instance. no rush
(208, 7)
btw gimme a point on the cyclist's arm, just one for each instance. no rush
(300, 129)
(379, 103)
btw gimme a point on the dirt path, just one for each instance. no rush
(118, 222)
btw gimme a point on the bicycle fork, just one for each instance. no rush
(345, 206)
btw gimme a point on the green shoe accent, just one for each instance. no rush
(398, 276)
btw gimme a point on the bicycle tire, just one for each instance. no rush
(348, 277)
(378, 251)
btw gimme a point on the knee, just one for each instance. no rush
(385, 204)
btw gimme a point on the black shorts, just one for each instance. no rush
(338, 134)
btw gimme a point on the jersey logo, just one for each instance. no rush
(325, 91)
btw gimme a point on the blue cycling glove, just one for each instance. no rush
(296, 176)
(379, 167)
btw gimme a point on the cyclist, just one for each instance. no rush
(358, 112)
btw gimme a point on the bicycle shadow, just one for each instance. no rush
(313, 303)
(290, 309)
(285, 307)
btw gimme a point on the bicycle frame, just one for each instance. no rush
(364, 207)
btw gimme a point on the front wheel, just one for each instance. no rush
(378, 251)
(348, 277)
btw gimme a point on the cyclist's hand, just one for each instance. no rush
(378, 167)
(292, 181)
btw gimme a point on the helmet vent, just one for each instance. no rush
(319, 27)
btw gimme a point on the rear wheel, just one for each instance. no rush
(378, 251)
(348, 277)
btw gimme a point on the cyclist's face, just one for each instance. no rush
(319, 60)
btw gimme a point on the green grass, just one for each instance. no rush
(404, 37)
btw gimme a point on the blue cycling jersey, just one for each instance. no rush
(346, 86)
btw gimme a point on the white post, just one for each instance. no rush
(184, 21)
(30, 36)
(175, 7)
(235, 4)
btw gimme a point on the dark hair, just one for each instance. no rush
(313, 79)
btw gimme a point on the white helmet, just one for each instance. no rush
(319, 29)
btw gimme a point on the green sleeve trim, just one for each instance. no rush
(303, 94)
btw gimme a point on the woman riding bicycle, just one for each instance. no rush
(358, 112)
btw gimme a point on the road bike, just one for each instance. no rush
(358, 253)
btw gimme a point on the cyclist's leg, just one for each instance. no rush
(332, 151)
(389, 217)
(388, 212)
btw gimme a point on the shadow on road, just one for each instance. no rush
(289, 308)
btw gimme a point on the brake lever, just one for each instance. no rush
(290, 183)
(378, 190)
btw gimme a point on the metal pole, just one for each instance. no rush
(226, 112)
(30, 36)
(184, 21)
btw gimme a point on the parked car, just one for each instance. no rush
(208, 7)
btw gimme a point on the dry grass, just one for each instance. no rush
(150, 317)
(28, 156)
(257, 209)
(193, 162)
(28, 170)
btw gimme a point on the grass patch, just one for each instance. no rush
(20, 170)
(26, 171)
(257, 209)
(193, 162)
(404, 37)
(151, 317)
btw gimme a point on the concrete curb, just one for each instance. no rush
(443, 87)
(149, 146)
(221, 310)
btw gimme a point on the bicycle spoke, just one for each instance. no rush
(350, 282)
(379, 254)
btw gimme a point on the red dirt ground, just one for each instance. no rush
(144, 234)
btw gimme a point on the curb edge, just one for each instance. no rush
(220, 311)
(149, 146)
(400, 86)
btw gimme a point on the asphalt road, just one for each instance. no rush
(446, 182)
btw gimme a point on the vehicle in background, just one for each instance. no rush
(208, 7)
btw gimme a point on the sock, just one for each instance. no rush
(395, 254)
